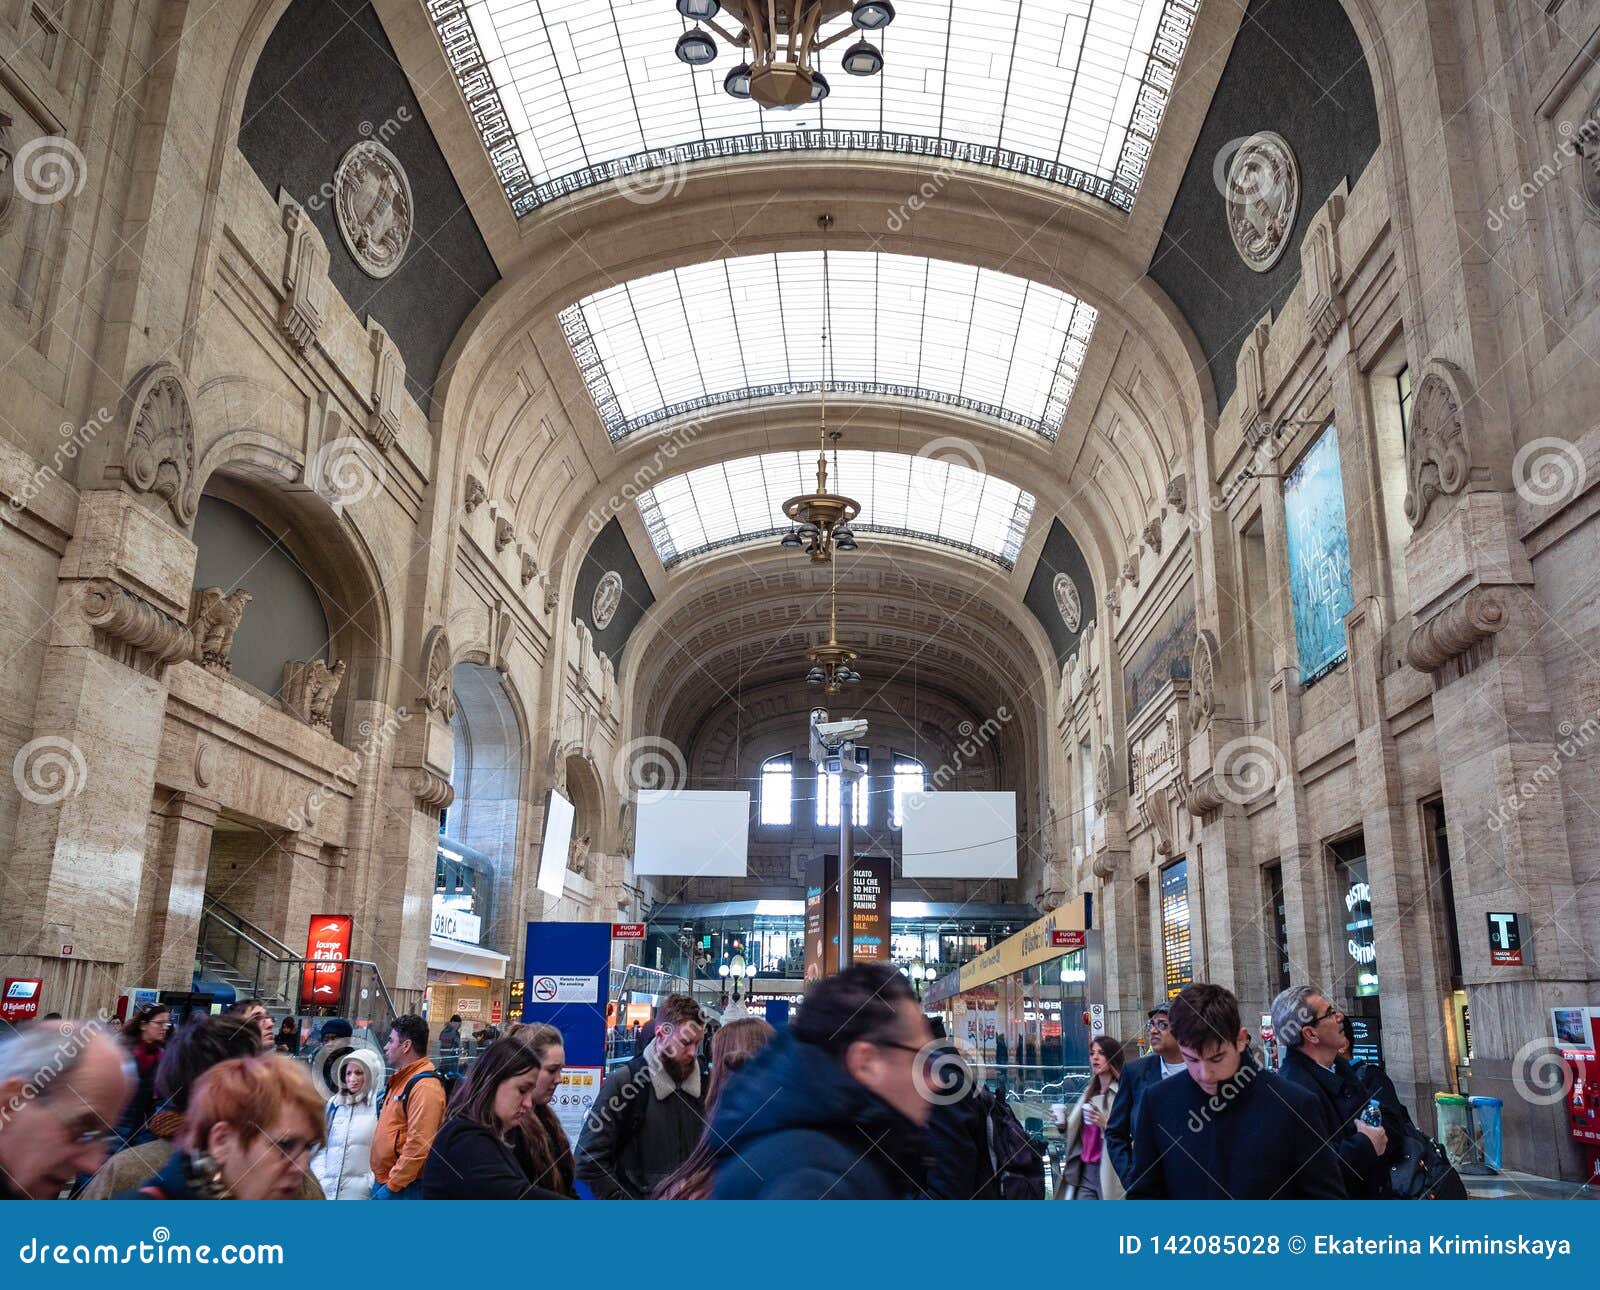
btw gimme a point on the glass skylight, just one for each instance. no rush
(921, 497)
(571, 93)
(729, 331)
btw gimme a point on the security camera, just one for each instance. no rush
(835, 734)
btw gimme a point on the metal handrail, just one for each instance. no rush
(210, 904)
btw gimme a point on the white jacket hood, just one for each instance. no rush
(373, 1061)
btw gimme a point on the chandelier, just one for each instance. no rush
(822, 519)
(832, 665)
(782, 39)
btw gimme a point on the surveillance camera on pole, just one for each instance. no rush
(833, 750)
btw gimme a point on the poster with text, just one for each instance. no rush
(1319, 557)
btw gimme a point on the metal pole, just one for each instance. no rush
(846, 861)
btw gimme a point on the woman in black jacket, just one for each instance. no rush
(473, 1157)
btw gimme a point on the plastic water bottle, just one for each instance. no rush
(1372, 1114)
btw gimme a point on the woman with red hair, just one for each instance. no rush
(251, 1127)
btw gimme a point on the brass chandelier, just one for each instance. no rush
(782, 39)
(822, 519)
(832, 665)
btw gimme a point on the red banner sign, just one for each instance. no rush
(627, 931)
(1068, 940)
(328, 946)
(20, 1001)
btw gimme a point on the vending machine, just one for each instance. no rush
(1577, 1030)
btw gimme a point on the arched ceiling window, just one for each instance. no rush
(923, 497)
(900, 326)
(567, 94)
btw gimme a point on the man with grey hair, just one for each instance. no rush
(63, 1085)
(1312, 1033)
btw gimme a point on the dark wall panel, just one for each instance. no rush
(1296, 68)
(1060, 555)
(326, 72)
(610, 551)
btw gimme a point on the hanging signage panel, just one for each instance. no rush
(328, 946)
(1177, 950)
(1319, 557)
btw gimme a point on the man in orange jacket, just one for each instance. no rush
(410, 1110)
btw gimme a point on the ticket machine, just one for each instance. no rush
(1577, 1030)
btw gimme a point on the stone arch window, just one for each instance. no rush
(860, 797)
(478, 841)
(777, 790)
(910, 776)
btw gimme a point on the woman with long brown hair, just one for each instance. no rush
(1087, 1172)
(734, 1046)
(538, 1139)
(473, 1157)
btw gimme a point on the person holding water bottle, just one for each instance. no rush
(1312, 1032)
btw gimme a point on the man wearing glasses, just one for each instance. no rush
(1312, 1032)
(63, 1085)
(1163, 1062)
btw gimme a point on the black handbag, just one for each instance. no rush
(1423, 1172)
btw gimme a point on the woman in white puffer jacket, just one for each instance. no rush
(344, 1165)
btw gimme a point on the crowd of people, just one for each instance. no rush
(853, 1100)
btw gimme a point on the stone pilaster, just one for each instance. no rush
(176, 873)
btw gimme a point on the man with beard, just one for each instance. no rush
(650, 1112)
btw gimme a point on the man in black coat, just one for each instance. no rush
(1162, 1062)
(833, 1108)
(1227, 1130)
(1312, 1032)
(960, 1166)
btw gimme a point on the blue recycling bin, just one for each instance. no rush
(1486, 1111)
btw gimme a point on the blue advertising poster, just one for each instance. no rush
(1319, 557)
(568, 969)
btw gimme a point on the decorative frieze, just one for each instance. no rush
(131, 630)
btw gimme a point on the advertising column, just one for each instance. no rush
(568, 985)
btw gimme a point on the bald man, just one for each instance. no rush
(63, 1085)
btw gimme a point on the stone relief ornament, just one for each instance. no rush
(214, 617)
(1437, 458)
(607, 596)
(8, 159)
(1152, 535)
(309, 689)
(1587, 139)
(503, 534)
(438, 694)
(133, 631)
(1262, 193)
(1068, 602)
(159, 457)
(305, 275)
(1130, 570)
(1178, 493)
(530, 569)
(373, 207)
(1113, 602)
(1203, 679)
(1102, 778)
(475, 494)
(578, 856)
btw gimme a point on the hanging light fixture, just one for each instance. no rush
(832, 665)
(822, 519)
(782, 40)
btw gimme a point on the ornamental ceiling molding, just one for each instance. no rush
(373, 207)
(1262, 198)
(159, 452)
(1438, 452)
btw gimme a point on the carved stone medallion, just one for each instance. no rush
(1263, 198)
(373, 207)
(160, 457)
(607, 596)
(1069, 602)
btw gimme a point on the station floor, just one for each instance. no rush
(1508, 1184)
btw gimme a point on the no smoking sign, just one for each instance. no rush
(565, 989)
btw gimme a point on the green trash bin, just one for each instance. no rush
(1455, 1129)
(1486, 1120)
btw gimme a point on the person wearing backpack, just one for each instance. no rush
(410, 1111)
(650, 1112)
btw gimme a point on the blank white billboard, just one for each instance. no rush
(960, 835)
(692, 833)
(557, 845)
